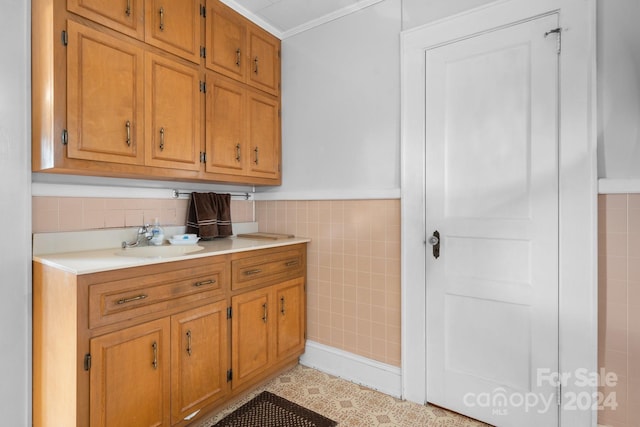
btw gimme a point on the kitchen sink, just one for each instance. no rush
(159, 251)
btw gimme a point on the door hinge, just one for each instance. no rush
(87, 361)
(65, 137)
(64, 38)
(203, 87)
(229, 375)
(559, 395)
(203, 157)
(203, 52)
(203, 11)
(558, 33)
(229, 313)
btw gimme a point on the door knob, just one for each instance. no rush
(434, 241)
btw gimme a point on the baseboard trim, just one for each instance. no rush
(351, 367)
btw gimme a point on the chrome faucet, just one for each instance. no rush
(142, 238)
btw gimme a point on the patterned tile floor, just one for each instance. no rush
(349, 404)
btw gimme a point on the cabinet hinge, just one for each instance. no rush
(87, 361)
(229, 375)
(279, 113)
(229, 313)
(203, 52)
(279, 53)
(64, 137)
(203, 157)
(64, 38)
(203, 11)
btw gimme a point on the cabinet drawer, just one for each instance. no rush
(124, 299)
(266, 268)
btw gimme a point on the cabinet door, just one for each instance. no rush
(226, 41)
(174, 107)
(290, 324)
(264, 135)
(200, 359)
(227, 152)
(130, 376)
(125, 16)
(250, 335)
(264, 60)
(104, 97)
(174, 26)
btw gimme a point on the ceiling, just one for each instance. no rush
(285, 18)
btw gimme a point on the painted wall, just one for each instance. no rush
(419, 12)
(15, 205)
(341, 106)
(618, 89)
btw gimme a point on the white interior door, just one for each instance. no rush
(491, 190)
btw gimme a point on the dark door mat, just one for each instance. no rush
(269, 410)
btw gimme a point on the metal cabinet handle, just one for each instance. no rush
(155, 355)
(161, 139)
(256, 151)
(291, 263)
(255, 65)
(251, 272)
(127, 125)
(127, 11)
(282, 305)
(126, 300)
(264, 315)
(161, 18)
(238, 56)
(204, 282)
(189, 342)
(237, 152)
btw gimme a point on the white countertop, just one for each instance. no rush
(93, 261)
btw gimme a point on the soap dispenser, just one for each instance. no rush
(157, 235)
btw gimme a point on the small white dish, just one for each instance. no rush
(181, 241)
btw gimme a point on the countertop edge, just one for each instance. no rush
(96, 261)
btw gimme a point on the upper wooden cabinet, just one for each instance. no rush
(172, 25)
(239, 49)
(104, 115)
(175, 26)
(242, 130)
(264, 60)
(226, 41)
(125, 16)
(173, 121)
(121, 89)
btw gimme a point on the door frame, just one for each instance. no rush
(578, 334)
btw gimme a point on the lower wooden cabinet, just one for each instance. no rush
(129, 374)
(163, 344)
(267, 327)
(199, 359)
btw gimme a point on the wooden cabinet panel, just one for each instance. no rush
(117, 299)
(173, 121)
(264, 60)
(199, 358)
(226, 41)
(226, 147)
(125, 16)
(263, 115)
(251, 335)
(174, 26)
(290, 326)
(104, 114)
(270, 266)
(129, 378)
